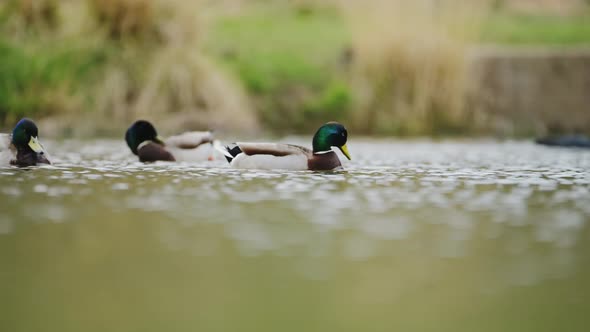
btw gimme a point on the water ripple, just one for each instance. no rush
(391, 192)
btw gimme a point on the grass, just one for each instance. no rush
(264, 41)
(288, 60)
(36, 80)
(522, 29)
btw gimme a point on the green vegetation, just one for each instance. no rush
(97, 65)
(284, 66)
(37, 80)
(521, 29)
(289, 61)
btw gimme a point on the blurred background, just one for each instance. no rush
(462, 233)
(428, 67)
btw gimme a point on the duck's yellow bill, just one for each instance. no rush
(344, 150)
(35, 145)
(159, 140)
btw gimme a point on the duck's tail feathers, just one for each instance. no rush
(231, 151)
(225, 150)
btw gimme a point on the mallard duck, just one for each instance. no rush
(292, 157)
(568, 141)
(143, 140)
(22, 148)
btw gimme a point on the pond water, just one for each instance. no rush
(412, 236)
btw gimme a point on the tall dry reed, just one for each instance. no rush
(409, 63)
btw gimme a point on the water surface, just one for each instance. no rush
(412, 236)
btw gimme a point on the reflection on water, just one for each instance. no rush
(413, 236)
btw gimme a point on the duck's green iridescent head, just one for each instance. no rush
(25, 136)
(329, 135)
(139, 132)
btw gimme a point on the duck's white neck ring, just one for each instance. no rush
(323, 152)
(144, 143)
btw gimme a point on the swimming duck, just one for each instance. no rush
(144, 141)
(22, 148)
(568, 141)
(292, 157)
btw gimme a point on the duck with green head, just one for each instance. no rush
(22, 148)
(144, 141)
(292, 157)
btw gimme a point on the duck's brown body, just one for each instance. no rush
(152, 151)
(29, 158)
(324, 162)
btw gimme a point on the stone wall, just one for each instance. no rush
(530, 91)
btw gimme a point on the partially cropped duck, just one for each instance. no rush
(567, 141)
(22, 148)
(292, 157)
(143, 140)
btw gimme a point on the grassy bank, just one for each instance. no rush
(522, 29)
(92, 66)
(38, 80)
(289, 61)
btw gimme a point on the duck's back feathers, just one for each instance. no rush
(194, 146)
(273, 149)
(190, 140)
(297, 162)
(267, 156)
